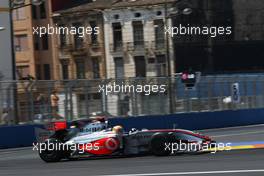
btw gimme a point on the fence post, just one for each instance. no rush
(1, 101)
(106, 99)
(170, 95)
(255, 93)
(198, 86)
(246, 93)
(222, 85)
(86, 97)
(134, 100)
(210, 95)
(103, 97)
(49, 110)
(71, 103)
(31, 99)
(9, 97)
(28, 101)
(262, 104)
(66, 103)
(175, 91)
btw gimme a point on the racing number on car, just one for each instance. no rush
(111, 144)
(90, 130)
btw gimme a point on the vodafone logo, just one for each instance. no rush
(184, 76)
(111, 144)
(188, 76)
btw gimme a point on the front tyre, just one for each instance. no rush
(52, 151)
(158, 144)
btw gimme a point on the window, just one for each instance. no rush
(94, 34)
(140, 65)
(38, 71)
(161, 65)
(77, 39)
(23, 71)
(19, 14)
(45, 42)
(159, 33)
(161, 59)
(21, 43)
(138, 34)
(96, 68)
(116, 16)
(47, 75)
(137, 15)
(39, 11)
(65, 70)
(151, 60)
(34, 12)
(119, 67)
(63, 39)
(42, 10)
(96, 96)
(158, 65)
(117, 36)
(159, 13)
(80, 69)
(36, 42)
(82, 97)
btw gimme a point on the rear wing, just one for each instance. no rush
(56, 126)
(42, 134)
(48, 130)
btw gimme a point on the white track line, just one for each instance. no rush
(193, 173)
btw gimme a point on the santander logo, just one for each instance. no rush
(112, 144)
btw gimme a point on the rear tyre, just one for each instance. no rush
(52, 153)
(158, 144)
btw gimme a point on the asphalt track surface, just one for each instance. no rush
(25, 162)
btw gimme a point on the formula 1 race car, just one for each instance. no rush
(92, 138)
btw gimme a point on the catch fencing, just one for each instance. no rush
(30, 101)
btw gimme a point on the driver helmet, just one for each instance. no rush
(133, 130)
(118, 129)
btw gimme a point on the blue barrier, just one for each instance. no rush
(22, 136)
(17, 136)
(194, 121)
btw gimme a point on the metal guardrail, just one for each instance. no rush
(80, 98)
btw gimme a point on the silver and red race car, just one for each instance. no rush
(92, 138)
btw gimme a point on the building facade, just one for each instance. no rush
(137, 47)
(135, 39)
(81, 55)
(34, 56)
(131, 42)
(33, 53)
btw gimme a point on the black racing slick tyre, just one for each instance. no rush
(51, 152)
(158, 144)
